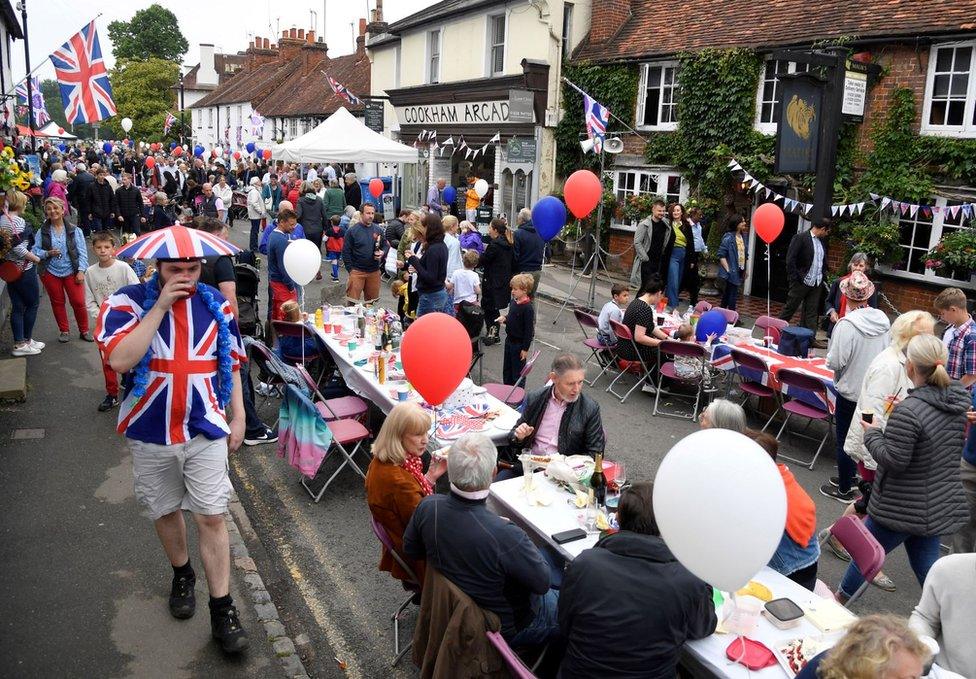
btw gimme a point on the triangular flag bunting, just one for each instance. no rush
(449, 142)
(769, 192)
(954, 210)
(937, 209)
(874, 196)
(860, 207)
(732, 163)
(967, 210)
(467, 153)
(495, 139)
(914, 210)
(885, 202)
(833, 210)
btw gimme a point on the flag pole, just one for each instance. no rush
(30, 81)
(617, 118)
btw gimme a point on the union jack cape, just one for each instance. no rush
(85, 89)
(41, 116)
(181, 399)
(343, 91)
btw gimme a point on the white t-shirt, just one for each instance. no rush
(466, 283)
(103, 282)
(453, 254)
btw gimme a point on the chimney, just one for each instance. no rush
(314, 55)
(310, 37)
(206, 73)
(260, 51)
(301, 33)
(605, 24)
(290, 45)
(361, 38)
(293, 33)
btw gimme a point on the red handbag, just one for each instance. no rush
(10, 272)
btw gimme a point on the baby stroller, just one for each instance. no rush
(249, 317)
(472, 317)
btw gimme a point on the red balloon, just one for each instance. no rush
(267, 154)
(768, 220)
(237, 155)
(582, 192)
(436, 355)
(60, 130)
(376, 188)
(150, 162)
(178, 151)
(213, 153)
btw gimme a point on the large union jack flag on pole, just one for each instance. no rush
(343, 91)
(85, 88)
(597, 120)
(37, 98)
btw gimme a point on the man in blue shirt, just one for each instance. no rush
(283, 288)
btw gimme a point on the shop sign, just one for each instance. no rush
(456, 113)
(520, 106)
(798, 131)
(521, 150)
(855, 93)
(374, 115)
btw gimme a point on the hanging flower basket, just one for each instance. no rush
(955, 255)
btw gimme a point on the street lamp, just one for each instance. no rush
(22, 6)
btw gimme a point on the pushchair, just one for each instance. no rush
(472, 317)
(249, 317)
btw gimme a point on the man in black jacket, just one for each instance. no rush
(806, 268)
(129, 200)
(78, 195)
(396, 227)
(530, 249)
(101, 202)
(560, 418)
(631, 599)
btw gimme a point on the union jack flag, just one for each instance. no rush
(181, 397)
(597, 120)
(41, 116)
(343, 91)
(85, 89)
(168, 124)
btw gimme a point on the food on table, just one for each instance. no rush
(798, 652)
(756, 589)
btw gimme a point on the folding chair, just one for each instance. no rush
(731, 317)
(770, 326)
(412, 585)
(512, 395)
(598, 350)
(866, 552)
(675, 350)
(345, 432)
(742, 360)
(702, 307)
(342, 407)
(628, 366)
(516, 666)
(792, 406)
(301, 331)
(261, 355)
(476, 355)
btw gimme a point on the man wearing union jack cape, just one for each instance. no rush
(178, 343)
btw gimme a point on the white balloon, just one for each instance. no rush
(302, 261)
(720, 504)
(481, 188)
(127, 124)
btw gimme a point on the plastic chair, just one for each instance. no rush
(412, 585)
(675, 350)
(770, 326)
(866, 552)
(601, 352)
(731, 317)
(342, 407)
(628, 366)
(345, 433)
(702, 307)
(515, 664)
(798, 380)
(750, 386)
(512, 395)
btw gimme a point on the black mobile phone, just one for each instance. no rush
(868, 417)
(569, 536)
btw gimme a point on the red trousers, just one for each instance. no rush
(279, 295)
(59, 289)
(111, 379)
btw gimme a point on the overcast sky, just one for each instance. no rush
(227, 24)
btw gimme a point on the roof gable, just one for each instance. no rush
(310, 94)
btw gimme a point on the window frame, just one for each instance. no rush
(968, 127)
(642, 96)
(491, 46)
(770, 128)
(566, 47)
(428, 78)
(659, 175)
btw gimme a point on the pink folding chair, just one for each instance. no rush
(346, 433)
(601, 352)
(342, 407)
(413, 585)
(512, 395)
(675, 350)
(515, 664)
(702, 307)
(731, 317)
(628, 366)
(770, 326)
(798, 380)
(866, 552)
(742, 360)
(261, 355)
(301, 331)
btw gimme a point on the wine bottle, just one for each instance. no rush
(598, 482)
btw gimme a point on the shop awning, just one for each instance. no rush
(345, 139)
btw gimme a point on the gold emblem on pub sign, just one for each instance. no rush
(799, 114)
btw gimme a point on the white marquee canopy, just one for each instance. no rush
(343, 138)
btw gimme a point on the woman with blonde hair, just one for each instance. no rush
(885, 384)
(22, 283)
(874, 647)
(917, 494)
(395, 480)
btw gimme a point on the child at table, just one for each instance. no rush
(688, 367)
(613, 310)
(401, 290)
(519, 327)
(292, 346)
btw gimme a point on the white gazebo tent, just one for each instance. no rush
(51, 130)
(344, 139)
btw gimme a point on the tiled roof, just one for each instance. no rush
(226, 65)
(249, 86)
(305, 95)
(671, 26)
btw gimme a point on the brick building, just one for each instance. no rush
(928, 46)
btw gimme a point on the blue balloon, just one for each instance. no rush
(549, 217)
(172, 145)
(107, 147)
(198, 150)
(711, 322)
(62, 147)
(450, 194)
(249, 146)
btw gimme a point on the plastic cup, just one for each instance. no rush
(403, 392)
(352, 346)
(327, 328)
(744, 617)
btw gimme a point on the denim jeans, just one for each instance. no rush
(544, 626)
(846, 467)
(255, 232)
(25, 295)
(923, 551)
(676, 267)
(434, 301)
(730, 296)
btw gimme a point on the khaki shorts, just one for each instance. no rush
(365, 284)
(192, 476)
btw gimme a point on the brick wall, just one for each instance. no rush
(621, 242)
(907, 67)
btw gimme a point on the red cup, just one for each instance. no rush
(326, 328)
(609, 471)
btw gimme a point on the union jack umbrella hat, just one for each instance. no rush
(177, 242)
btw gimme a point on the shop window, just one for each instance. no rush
(292, 127)
(950, 91)
(921, 233)
(496, 44)
(767, 99)
(520, 198)
(667, 185)
(434, 56)
(657, 98)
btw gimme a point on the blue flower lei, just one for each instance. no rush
(225, 383)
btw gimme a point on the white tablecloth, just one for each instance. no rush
(363, 382)
(543, 521)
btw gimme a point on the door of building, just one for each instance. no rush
(776, 282)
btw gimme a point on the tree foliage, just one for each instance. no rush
(152, 33)
(143, 91)
(55, 108)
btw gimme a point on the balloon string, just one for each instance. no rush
(768, 282)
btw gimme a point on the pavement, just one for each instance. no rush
(86, 579)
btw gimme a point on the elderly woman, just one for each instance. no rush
(24, 292)
(58, 188)
(64, 257)
(163, 213)
(256, 211)
(353, 192)
(395, 480)
(837, 301)
(723, 414)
